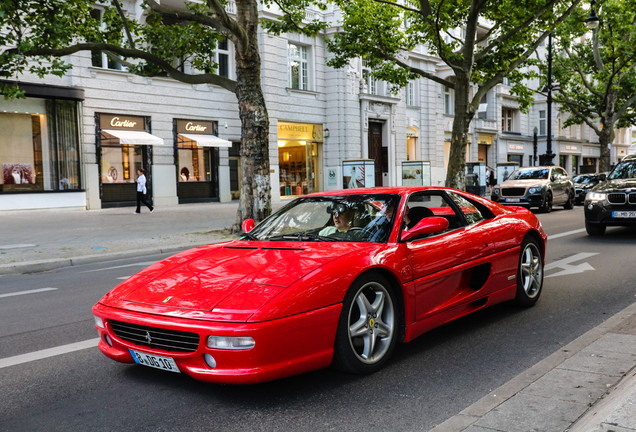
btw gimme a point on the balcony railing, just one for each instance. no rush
(486, 124)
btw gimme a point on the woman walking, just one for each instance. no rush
(141, 191)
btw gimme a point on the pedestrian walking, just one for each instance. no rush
(141, 191)
(491, 179)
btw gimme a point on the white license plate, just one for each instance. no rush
(624, 214)
(513, 199)
(155, 361)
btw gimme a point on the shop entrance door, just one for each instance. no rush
(378, 153)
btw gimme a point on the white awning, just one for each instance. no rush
(134, 137)
(207, 140)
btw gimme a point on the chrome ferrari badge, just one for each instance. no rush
(148, 338)
(167, 299)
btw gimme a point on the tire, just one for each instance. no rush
(368, 326)
(529, 274)
(569, 204)
(547, 203)
(594, 229)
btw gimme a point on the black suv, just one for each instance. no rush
(613, 202)
(583, 183)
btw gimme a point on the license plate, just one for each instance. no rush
(155, 361)
(624, 214)
(513, 199)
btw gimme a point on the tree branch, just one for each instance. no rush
(595, 49)
(406, 8)
(618, 114)
(417, 70)
(579, 70)
(572, 105)
(124, 21)
(239, 36)
(171, 71)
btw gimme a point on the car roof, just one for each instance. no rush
(401, 190)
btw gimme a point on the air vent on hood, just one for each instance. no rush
(283, 248)
(240, 247)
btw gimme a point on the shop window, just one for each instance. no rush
(516, 158)
(298, 67)
(40, 151)
(298, 164)
(235, 169)
(99, 58)
(194, 162)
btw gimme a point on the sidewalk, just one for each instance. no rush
(587, 386)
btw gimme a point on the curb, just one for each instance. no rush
(494, 399)
(55, 263)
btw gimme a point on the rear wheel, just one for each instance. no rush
(569, 204)
(529, 273)
(594, 229)
(368, 326)
(547, 203)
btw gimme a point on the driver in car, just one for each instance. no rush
(342, 219)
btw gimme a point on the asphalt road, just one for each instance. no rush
(428, 380)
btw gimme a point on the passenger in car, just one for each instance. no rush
(342, 218)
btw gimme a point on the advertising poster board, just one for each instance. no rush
(416, 173)
(358, 173)
(476, 178)
(504, 169)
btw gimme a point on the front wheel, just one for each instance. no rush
(368, 326)
(529, 274)
(594, 229)
(547, 203)
(569, 204)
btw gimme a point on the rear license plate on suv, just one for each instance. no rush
(624, 214)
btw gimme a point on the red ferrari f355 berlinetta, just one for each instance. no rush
(333, 278)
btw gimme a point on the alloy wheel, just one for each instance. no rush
(531, 269)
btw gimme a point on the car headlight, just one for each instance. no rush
(230, 342)
(496, 190)
(597, 196)
(534, 189)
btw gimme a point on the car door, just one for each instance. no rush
(441, 263)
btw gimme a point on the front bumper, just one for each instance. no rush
(579, 195)
(528, 200)
(603, 213)
(284, 347)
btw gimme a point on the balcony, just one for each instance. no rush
(486, 125)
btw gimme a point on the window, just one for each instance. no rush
(449, 102)
(222, 58)
(506, 81)
(427, 204)
(39, 149)
(542, 122)
(372, 86)
(471, 213)
(99, 58)
(410, 94)
(298, 67)
(506, 119)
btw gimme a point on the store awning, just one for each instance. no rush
(134, 137)
(207, 140)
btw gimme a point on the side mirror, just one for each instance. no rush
(429, 225)
(602, 177)
(553, 178)
(248, 225)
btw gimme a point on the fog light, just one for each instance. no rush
(209, 360)
(108, 341)
(231, 343)
(98, 321)
(590, 206)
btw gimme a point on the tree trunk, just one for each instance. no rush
(464, 113)
(255, 202)
(605, 138)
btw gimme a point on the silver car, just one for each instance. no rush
(541, 187)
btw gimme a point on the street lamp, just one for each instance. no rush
(534, 146)
(593, 21)
(549, 156)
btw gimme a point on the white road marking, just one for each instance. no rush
(27, 292)
(145, 263)
(51, 352)
(570, 268)
(16, 246)
(123, 277)
(564, 234)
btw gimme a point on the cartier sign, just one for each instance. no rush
(196, 127)
(116, 121)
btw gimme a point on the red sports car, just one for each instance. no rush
(332, 278)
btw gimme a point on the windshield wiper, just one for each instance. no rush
(303, 236)
(249, 236)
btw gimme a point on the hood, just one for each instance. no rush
(523, 183)
(618, 185)
(232, 274)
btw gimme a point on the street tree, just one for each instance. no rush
(481, 41)
(596, 75)
(38, 34)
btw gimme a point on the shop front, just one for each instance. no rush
(516, 153)
(124, 145)
(40, 151)
(299, 153)
(197, 160)
(570, 156)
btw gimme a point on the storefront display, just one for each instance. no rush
(358, 173)
(299, 146)
(504, 170)
(416, 173)
(476, 178)
(197, 160)
(39, 146)
(124, 146)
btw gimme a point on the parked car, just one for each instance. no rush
(541, 187)
(613, 201)
(583, 183)
(332, 278)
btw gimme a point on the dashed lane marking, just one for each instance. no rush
(17, 293)
(51, 352)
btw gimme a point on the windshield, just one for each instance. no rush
(530, 174)
(347, 218)
(624, 170)
(584, 179)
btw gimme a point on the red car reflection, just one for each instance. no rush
(334, 278)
